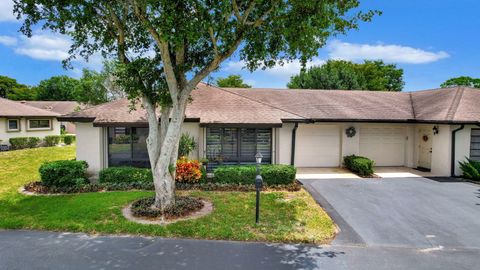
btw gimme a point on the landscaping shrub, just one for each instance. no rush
(24, 142)
(470, 169)
(52, 140)
(189, 171)
(361, 165)
(183, 206)
(63, 173)
(187, 145)
(125, 175)
(271, 174)
(68, 139)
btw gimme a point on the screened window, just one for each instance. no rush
(475, 144)
(13, 125)
(39, 124)
(233, 146)
(127, 147)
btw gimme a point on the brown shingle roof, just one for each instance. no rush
(212, 105)
(61, 107)
(336, 104)
(10, 108)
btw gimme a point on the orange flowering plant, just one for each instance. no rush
(188, 171)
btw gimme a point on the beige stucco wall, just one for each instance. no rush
(24, 132)
(462, 146)
(91, 146)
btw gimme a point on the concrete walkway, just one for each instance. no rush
(47, 250)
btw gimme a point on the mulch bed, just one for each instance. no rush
(39, 188)
(184, 206)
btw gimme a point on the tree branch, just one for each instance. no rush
(164, 51)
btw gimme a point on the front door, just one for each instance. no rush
(425, 136)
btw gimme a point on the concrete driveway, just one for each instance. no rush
(415, 213)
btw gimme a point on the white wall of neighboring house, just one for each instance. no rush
(462, 146)
(91, 146)
(5, 135)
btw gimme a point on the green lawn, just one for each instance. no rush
(285, 216)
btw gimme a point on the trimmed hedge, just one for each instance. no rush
(361, 165)
(63, 173)
(24, 142)
(69, 139)
(125, 175)
(470, 169)
(52, 140)
(271, 174)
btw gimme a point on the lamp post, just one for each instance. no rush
(258, 186)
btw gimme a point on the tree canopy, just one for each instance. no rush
(59, 88)
(345, 75)
(11, 89)
(165, 48)
(462, 81)
(234, 81)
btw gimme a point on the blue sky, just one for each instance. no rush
(431, 40)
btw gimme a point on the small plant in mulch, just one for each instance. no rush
(183, 207)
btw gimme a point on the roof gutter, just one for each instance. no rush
(294, 139)
(452, 164)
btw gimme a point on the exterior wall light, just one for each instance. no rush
(435, 130)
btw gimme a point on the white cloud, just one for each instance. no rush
(388, 53)
(6, 11)
(286, 70)
(44, 46)
(8, 41)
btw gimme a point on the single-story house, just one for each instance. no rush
(431, 129)
(60, 107)
(20, 120)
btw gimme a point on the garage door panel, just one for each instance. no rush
(317, 146)
(384, 145)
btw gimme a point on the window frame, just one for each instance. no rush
(29, 128)
(476, 157)
(18, 129)
(132, 160)
(239, 159)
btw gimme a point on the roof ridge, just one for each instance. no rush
(414, 114)
(260, 102)
(452, 110)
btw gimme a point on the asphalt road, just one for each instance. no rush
(47, 250)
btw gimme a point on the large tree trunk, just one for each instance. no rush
(162, 145)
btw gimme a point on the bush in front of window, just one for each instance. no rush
(24, 142)
(361, 165)
(186, 145)
(189, 171)
(64, 173)
(470, 169)
(69, 139)
(275, 174)
(125, 175)
(52, 140)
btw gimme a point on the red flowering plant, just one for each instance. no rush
(188, 171)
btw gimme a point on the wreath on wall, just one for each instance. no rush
(351, 131)
(425, 138)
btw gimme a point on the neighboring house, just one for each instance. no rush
(306, 128)
(20, 120)
(61, 107)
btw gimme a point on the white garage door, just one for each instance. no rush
(317, 146)
(385, 145)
